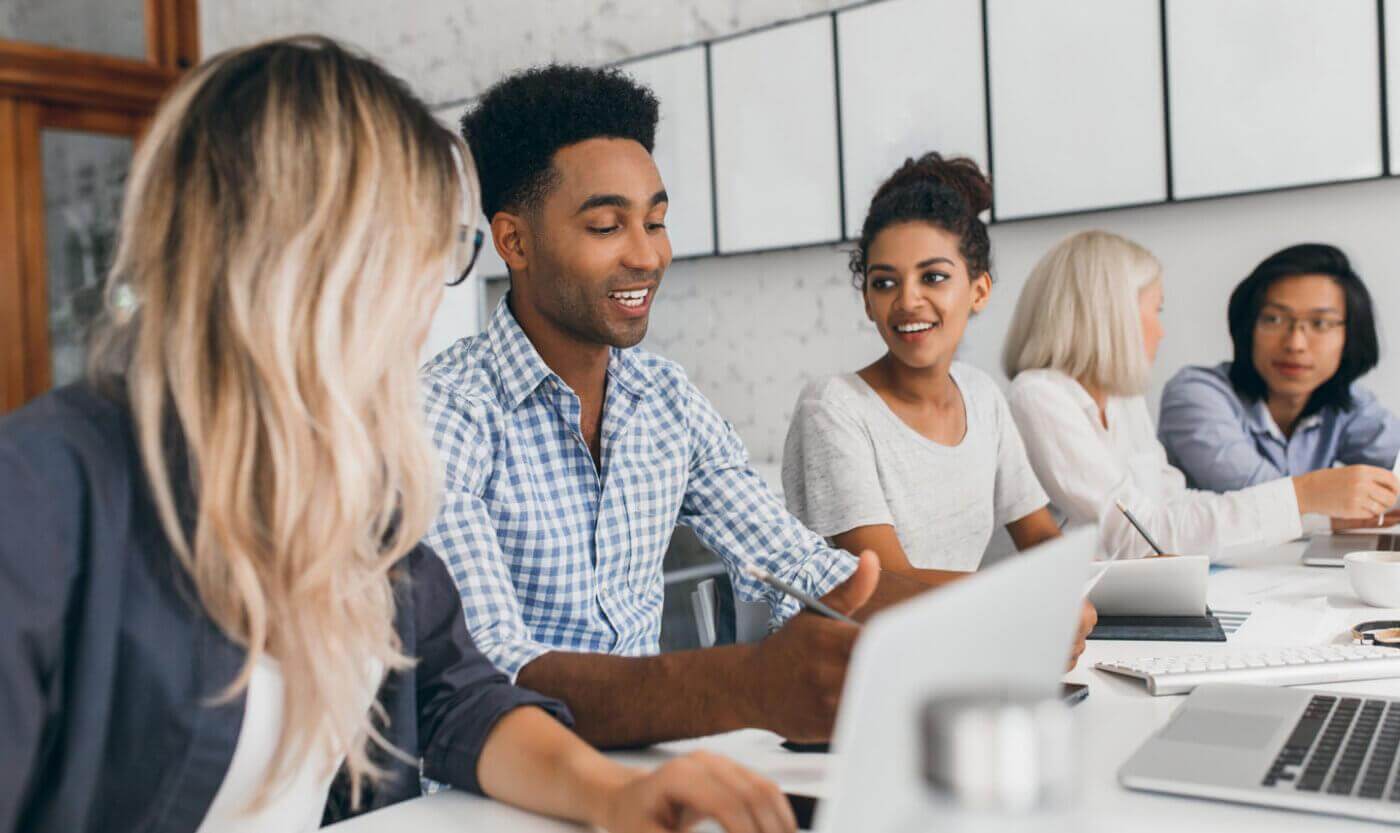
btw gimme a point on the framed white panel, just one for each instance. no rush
(910, 82)
(1077, 113)
(682, 150)
(1272, 93)
(1392, 81)
(775, 137)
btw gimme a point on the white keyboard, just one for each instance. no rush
(1308, 665)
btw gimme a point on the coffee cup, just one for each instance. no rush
(1375, 576)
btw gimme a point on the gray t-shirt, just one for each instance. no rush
(850, 461)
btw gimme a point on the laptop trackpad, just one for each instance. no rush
(1221, 728)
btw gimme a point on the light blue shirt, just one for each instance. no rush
(551, 552)
(1224, 443)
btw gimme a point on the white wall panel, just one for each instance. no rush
(1392, 80)
(775, 137)
(1272, 93)
(910, 82)
(682, 145)
(1077, 120)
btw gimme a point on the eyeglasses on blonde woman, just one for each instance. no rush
(215, 612)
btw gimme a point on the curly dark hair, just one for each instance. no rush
(519, 123)
(947, 193)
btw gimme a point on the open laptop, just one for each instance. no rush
(1282, 747)
(1009, 627)
(1329, 550)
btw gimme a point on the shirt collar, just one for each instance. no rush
(626, 368)
(1081, 396)
(520, 370)
(1262, 422)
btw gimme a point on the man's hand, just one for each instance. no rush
(1351, 492)
(797, 673)
(1088, 617)
(1343, 524)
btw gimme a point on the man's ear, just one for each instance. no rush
(508, 233)
(981, 291)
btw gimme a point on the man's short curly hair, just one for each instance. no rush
(522, 121)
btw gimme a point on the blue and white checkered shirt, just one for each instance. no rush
(551, 553)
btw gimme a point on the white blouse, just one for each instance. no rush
(294, 806)
(1085, 468)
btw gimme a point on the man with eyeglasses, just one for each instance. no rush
(1303, 327)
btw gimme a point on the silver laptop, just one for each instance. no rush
(1009, 627)
(1283, 747)
(1329, 550)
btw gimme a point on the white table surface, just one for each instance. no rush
(1290, 604)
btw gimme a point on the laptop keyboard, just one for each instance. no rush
(1342, 746)
(1388, 542)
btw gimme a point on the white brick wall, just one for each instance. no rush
(750, 330)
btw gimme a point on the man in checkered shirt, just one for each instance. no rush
(571, 455)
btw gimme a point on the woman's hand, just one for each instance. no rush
(697, 786)
(531, 761)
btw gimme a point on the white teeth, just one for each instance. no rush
(914, 328)
(631, 297)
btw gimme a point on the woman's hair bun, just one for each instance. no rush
(948, 193)
(959, 174)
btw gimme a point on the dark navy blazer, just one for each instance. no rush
(109, 666)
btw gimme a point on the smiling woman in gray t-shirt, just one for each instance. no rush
(852, 462)
(916, 456)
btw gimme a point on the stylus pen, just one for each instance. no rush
(808, 601)
(1143, 532)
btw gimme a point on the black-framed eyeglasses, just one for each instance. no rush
(1275, 323)
(477, 241)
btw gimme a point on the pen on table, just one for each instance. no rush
(808, 601)
(1143, 532)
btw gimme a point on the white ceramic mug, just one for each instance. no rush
(1375, 576)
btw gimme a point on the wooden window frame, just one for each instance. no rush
(51, 87)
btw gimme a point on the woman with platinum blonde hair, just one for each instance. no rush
(1079, 353)
(215, 612)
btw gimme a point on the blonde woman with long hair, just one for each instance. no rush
(1079, 353)
(214, 610)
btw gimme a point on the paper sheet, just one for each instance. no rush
(1276, 623)
(1247, 588)
(1292, 605)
